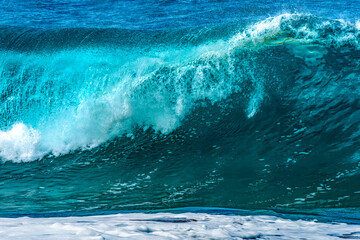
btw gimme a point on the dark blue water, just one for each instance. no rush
(156, 15)
(123, 105)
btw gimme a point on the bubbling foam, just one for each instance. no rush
(20, 143)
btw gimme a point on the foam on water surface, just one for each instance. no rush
(19, 143)
(173, 226)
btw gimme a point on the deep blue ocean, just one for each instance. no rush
(110, 106)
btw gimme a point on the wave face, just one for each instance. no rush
(264, 115)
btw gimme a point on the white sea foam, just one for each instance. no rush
(20, 143)
(357, 24)
(173, 226)
(276, 30)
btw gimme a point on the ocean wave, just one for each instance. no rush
(55, 100)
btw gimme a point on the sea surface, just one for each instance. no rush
(109, 107)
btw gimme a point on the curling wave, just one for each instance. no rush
(64, 90)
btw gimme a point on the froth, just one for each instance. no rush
(20, 143)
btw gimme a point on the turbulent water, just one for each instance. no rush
(193, 104)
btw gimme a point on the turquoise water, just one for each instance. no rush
(179, 104)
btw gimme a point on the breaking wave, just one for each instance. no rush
(70, 89)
